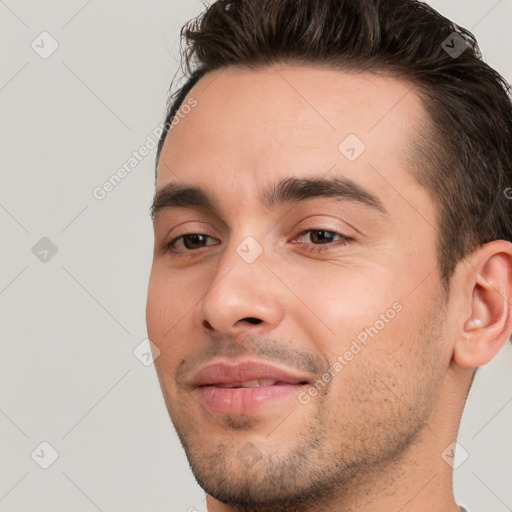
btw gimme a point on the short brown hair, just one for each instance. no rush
(464, 155)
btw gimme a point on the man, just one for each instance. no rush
(332, 254)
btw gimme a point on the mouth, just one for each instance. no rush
(253, 384)
(246, 387)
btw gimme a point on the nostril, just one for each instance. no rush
(252, 320)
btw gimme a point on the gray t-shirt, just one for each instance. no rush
(463, 509)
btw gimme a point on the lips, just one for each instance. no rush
(251, 384)
(245, 387)
(246, 374)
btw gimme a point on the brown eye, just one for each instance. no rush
(189, 243)
(322, 237)
(193, 240)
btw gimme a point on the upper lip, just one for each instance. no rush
(236, 372)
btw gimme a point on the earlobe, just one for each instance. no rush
(488, 325)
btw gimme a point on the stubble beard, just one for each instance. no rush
(332, 454)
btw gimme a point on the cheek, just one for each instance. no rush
(384, 378)
(164, 306)
(171, 302)
(371, 320)
(346, 302)
(156, 305)
(170, 294)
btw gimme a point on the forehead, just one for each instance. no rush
(254, 126)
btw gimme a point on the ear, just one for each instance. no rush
(486, 324)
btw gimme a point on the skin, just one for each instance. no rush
(373, 438)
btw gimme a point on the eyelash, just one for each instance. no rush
(312, 248)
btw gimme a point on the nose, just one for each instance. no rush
(244, 295)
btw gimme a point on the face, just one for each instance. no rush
(296, 301)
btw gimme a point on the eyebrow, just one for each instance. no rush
(288, 190)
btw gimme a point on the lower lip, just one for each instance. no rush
(244, 400)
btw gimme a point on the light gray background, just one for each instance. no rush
(69, 326)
